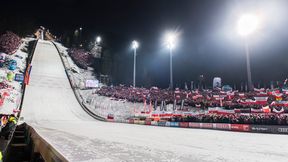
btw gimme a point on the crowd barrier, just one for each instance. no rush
(276, 129)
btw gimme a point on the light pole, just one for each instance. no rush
(96, 47)
(171, 69)
(135, 45)
(248, 66)
(170, 41)
(247, 24)
(80, 36)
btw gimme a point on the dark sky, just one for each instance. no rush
(208, 43)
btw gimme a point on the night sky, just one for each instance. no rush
(208, 42)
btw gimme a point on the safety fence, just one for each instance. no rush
(276, 129)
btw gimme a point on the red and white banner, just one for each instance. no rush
(280, 103)
(219, 110)
(240, 127)
(278, 111)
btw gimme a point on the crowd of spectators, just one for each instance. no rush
(81, 57)
(7, 122)
(195, 98)
(9, 42)
(264, 119)
(13, 61)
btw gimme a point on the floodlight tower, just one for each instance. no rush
(79, 37)
(135, 45)
(170, 41)
(246, 25)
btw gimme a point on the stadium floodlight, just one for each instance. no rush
(135, 45)
(247, 24)
(80, 28)
(98, 40)
(170, 41)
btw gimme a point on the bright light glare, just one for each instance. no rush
(247, 24)
(170, 40)
(135, 44)
(98, 40)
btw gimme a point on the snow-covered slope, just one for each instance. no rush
(49, 95)
(51, 108)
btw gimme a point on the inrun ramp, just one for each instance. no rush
(51, 108)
